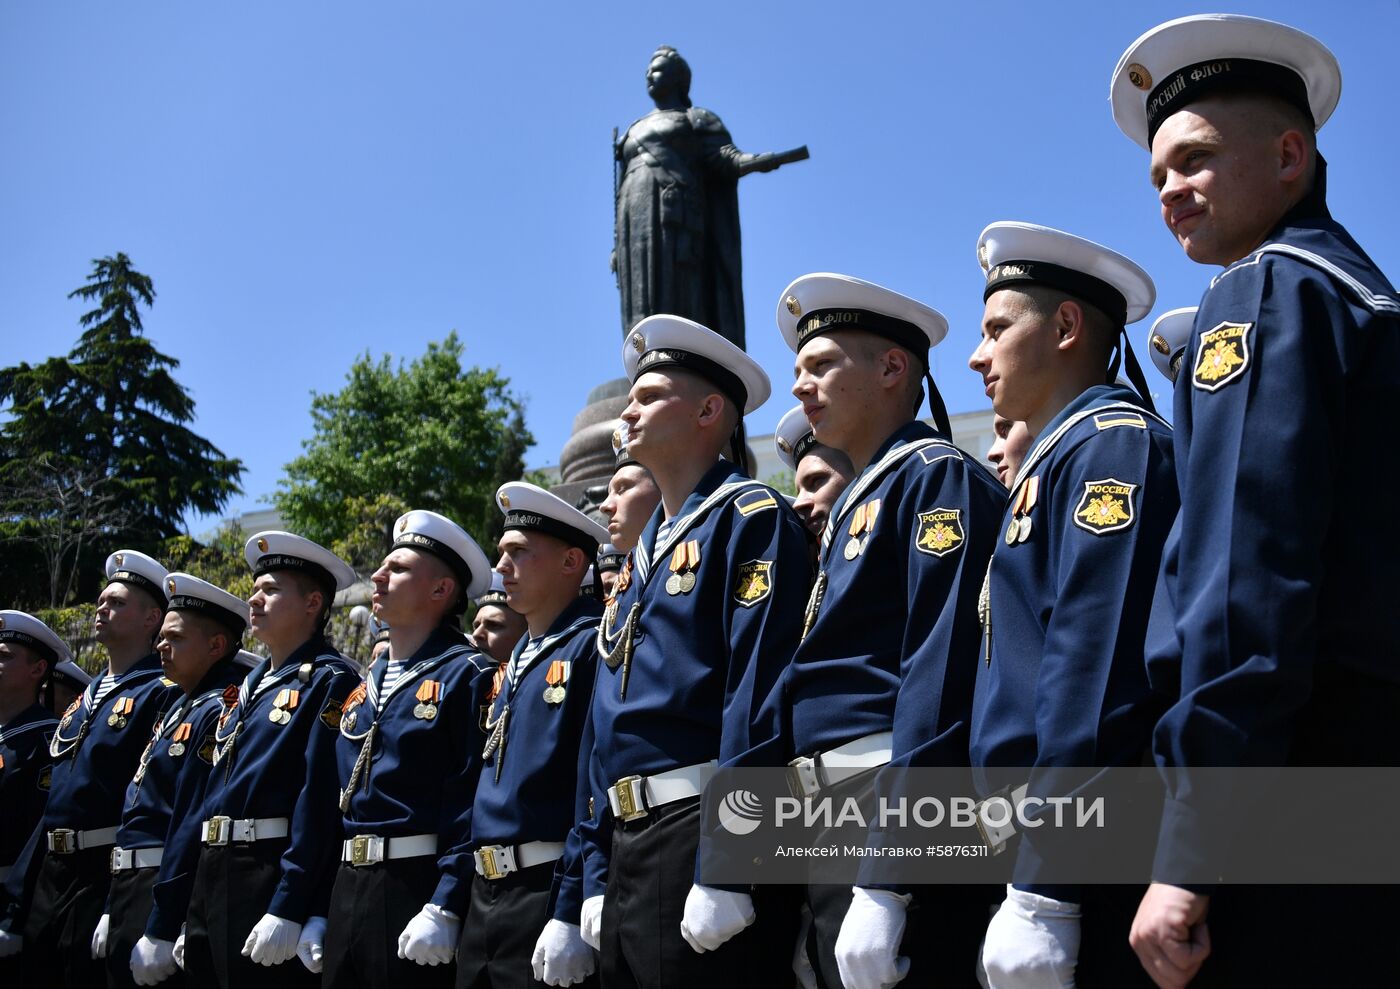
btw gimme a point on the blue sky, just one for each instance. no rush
(308, 181)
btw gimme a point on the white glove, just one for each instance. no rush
(713, 916)
(312, 944)
(590, 922)
(179, 951)
(867, 949)
(12, 944)
(561, 957)
(152, 961)
(1032, 942)
(272, 941)
(801, 964)
(431, 936)
(99, 937)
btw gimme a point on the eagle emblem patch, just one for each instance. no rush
(1222, 356)
(754, 583)
(940, 531)
(1106, 506)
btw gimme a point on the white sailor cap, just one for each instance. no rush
(533, 509)
(496, 595)
(72, 675)
(610, 558)
(621, 458)
(823, 302)
(437, 534)
(1187, 59)
(1167, 341)
(127, 566)
(277, 550)
(1014, 255)
(247, 660)
(586, 585)
(793, 437)
(25, 629)
(190, 593)
(659, 342)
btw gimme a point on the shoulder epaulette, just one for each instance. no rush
(1107, 420)
(758, 500)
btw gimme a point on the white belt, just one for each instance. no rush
(499, 861)
(222, 830)
(995, 836)
(636, 796)
(809, 775)
(136, 858)
(369, 849)
(66, 841)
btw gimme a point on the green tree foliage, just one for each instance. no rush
(430, 435)
(108, 415)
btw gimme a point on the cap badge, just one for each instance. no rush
(505, 500)
(1139, 76)
(1159, 344)
(793, 306)
(2, 621)
(170, 586)
(403, 524)
(119, 558)
(639, 342)
(262, 545)
(784, 445)
(982, 257)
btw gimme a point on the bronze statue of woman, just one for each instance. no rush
(677, 236)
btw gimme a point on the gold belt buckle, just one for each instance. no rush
(217, 830)
(63, 841)
(628, 806)
(359, 850)
(490, 867)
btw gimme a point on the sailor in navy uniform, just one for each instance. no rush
(705, 617)
(409, 755)
(1285, 629)
(67, 681)
(1061, 679)
(631, 500)
(95, 748)
(263, 867)
(609, 565)
(882, 671)
(819, 473)
(523, 808)
(198, 649)
(496, 628)
(1168, 338)
(29, 652)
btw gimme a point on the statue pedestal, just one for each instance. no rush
(586, 462)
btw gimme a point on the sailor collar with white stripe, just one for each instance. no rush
(728, 480)
(519, 664)
(873, 474)
(1376, 302)
(1073, 416)
(27, 721)
(146, 669)
(414, 669)
(189, 703)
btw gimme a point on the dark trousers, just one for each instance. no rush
(370, 907)
(649, 876)
(1317, 935)
(69, 898)
(233, 886)
(943, 932)
(504, 922)
(129, 903)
